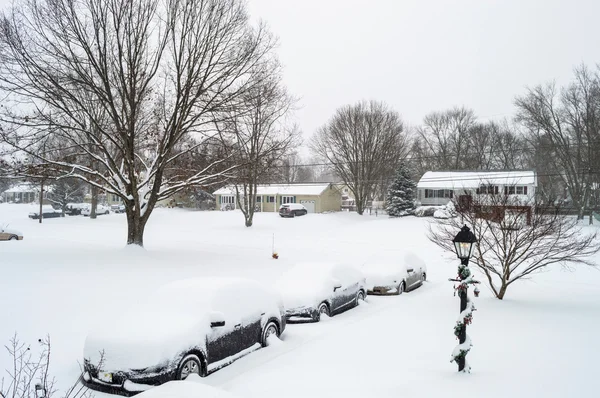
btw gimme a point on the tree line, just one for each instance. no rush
(555, 130)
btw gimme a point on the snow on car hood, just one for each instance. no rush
(11, 231)
(305, 285)
(142, 339)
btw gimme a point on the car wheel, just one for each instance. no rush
(13, 238)
(107, 212)
(360, 297)
(322, 310)
(189, 365)
(424, 276)
(305, 212)
(401, 288)
(270, 329)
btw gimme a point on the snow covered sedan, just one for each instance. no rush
(193, 326)
(310, 290)
(47, 212)
(388, 279)
(100, 209)
(292, 210)
(10, 234)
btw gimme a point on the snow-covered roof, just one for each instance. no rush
(280, 189)
(22, 188)
(473, 179)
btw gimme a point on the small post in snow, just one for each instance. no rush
(274, 254)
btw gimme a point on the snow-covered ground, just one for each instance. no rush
(542, 340)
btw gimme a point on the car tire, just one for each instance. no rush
(401, 288)
(322, 309)
(360, 297)
(270, 328)
(189, 365)
(424, 277)
(13, 238)
(107, 212)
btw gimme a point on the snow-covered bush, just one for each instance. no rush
(426, 211)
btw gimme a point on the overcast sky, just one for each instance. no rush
(420, 56)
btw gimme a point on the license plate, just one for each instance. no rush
(105, 377)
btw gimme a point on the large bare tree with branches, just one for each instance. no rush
(364, 144)
(516, 238)
(567, 122)
(262, 139)
(121, 83)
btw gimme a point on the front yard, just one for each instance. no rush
(69, 273)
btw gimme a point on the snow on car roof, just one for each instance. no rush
(280, 189)
(473, 179)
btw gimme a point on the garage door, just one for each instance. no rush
(309, 204)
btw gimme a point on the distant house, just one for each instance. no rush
(441, 187)
(317, 198)
(22, 193)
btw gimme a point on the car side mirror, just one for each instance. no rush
(409, 269)
(336, 285)
(217, 320)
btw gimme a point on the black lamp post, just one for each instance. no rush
(463, 244)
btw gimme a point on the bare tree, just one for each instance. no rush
(65, 191)
(516, 238)
(569, 122)
(122, 83)
(261, 139)
(30, 371)
(363, 143)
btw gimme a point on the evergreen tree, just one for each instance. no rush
(401, 194)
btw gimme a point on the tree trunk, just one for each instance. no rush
(135, 229)
(502, 291)
(94, 202)
(41, 200)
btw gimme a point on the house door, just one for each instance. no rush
(309, 204)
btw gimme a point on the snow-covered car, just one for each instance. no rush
(74, 209)
(292, 210)
(100, 209)
(117, 208)
(388, 279)
(309, 290)
(10, 234)
(192, 326)
(47, 212)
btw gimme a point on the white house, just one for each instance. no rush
(316, 197)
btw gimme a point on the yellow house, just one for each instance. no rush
(317, 197)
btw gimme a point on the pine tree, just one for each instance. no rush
(401, 194)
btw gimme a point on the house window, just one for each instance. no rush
(259, 199)
(488, 189)
(228, 199)
(521, 190)
(270, 199)
(439, 193)
(288, 199)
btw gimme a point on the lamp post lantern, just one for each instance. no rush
(40, 391)
(464, 242)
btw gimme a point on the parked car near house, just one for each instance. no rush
(47, 212)
(117, 208)
(192, 326)
(292, 210)
(395, 279)
(74, 209)
(310, 290)
(10, 234)
(100, 209)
